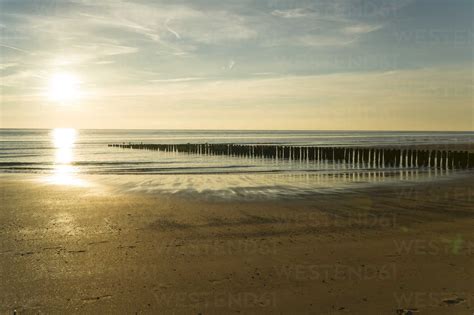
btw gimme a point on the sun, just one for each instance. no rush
(64, 87)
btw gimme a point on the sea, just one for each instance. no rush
(82, 157)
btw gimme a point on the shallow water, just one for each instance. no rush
(69, 157)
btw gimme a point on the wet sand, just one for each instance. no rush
(382, 250)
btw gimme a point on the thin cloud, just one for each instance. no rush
(14, 48)
(176, 34)
(265, 73)
(7, 65)
(104, 62)
(176, 80)
(324, 41)
(292, 13)
(361, 29)
(104, 49)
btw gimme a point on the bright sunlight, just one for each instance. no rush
(64, 87)
(64, 172)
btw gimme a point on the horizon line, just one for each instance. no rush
(279, 130)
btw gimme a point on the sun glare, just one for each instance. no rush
(64, 87)
(64, 172)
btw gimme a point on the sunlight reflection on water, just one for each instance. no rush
(70, 157)
(64, 172)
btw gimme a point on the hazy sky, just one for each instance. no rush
(246, 64)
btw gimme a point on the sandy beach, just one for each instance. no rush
(403, 249)
(236, 157)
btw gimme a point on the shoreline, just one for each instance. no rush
(248, 186)
(372, 251)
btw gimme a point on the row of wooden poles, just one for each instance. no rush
(372, 157)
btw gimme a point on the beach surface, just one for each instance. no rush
(400, 249)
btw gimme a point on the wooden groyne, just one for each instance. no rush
(368, 157)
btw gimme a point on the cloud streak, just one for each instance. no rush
(292, 13)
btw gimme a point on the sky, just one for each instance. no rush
(246, 64)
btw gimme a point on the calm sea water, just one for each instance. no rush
(68, 155)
